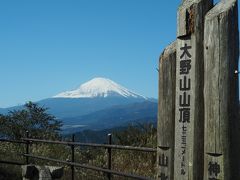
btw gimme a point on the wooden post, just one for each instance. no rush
(166, 112)
(73, 156)
(109, 156)
(221, 39)
(27, 147)
(189, 112)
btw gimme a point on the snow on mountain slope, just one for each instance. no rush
(99, 87)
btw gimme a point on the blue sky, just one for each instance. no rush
(49, 46)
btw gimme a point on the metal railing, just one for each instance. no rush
(27, 141)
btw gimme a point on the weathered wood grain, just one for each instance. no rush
(221, 53)
(189, 138)
(166, 112)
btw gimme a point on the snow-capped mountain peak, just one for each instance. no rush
(99, 87)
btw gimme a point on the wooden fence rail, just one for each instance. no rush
(28, 141)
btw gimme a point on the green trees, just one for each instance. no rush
(32, 118)
(14, 125)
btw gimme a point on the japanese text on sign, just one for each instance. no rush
(184, 99)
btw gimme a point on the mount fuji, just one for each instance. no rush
(99, 87)
(98, 98)
(94, 95)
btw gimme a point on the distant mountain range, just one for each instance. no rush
(98, 104)
(114, 116)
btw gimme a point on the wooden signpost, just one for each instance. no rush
(189, 109)
(167, 76)
(221, 55)
(198, 118)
